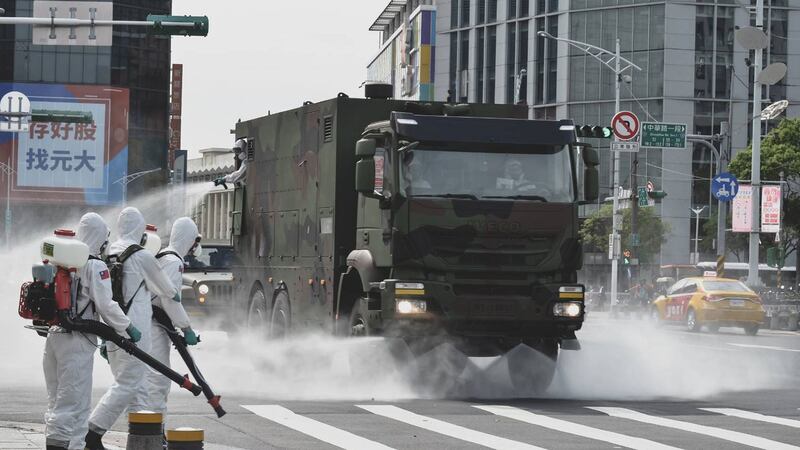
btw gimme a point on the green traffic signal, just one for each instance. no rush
(166, 25)
(596, 131)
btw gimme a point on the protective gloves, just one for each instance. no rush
(190, 337)
(134, 333)
(104, 350)
(221, 181)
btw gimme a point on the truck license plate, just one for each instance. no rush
(493, 308)
(736, 303)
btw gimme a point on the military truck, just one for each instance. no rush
(425, 222)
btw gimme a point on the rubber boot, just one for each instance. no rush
(94, 441)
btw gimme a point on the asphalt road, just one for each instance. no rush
(629, 387)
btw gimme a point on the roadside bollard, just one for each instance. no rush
(144, 431)
(185, 439)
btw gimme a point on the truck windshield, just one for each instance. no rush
(542, 176)
(212, 258)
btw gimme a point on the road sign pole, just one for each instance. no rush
(615, 219)
(722, 210)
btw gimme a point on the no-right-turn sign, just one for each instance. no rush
(625, 125)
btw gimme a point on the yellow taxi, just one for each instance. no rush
(711, 302)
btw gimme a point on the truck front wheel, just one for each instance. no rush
(532, 368)
(359, 326)
(281, 317)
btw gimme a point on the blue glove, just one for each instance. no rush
(134, 333)
(104, 350)
(177, 297)
(190, 337)
(221, 181)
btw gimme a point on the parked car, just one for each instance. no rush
(208, 282)
(711, 302)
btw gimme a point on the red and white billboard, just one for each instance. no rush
(770, 209)
(742, 209)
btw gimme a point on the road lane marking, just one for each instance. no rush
(754, 416)
(719, 433)
(765, 347)
(313, 428)
(574, 428)
(447, 429)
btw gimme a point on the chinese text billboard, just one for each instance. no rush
(73, 163)
(742, 209)
(770, 209)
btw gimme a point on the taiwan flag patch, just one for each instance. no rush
(104, 275)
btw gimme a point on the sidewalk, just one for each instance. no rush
(18, 435)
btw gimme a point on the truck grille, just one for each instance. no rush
(492, 291)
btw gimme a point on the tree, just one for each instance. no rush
(736, 243)
(652, 232)
(780, 151)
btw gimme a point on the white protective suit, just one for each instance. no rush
(68, 357)
(181, 240)
(141, 276)
(240, 174)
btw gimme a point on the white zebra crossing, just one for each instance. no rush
(574, 428)
(314, 428)
(754, 416)
(447, 429)
(719, 433)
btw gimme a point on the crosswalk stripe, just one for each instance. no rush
(719, 433)
(754, 416)
(447, 429)
(315, 429)
(574, 428)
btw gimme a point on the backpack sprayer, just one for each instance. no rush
(51, 299)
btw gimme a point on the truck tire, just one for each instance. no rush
(281, 322)
(751, 330)
(258, 316)
(359, 326)
(531, 374)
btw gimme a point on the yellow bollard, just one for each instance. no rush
(145, 431)
(185, 439)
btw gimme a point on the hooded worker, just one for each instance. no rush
(240, 174)
(184, 240)
(68, 357)
(141, 277)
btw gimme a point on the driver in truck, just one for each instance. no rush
(514, 177)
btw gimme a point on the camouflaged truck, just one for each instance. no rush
(424, 222)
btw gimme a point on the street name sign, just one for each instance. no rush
(724, 187)
(624, 146)
(625, 125)
(664, 135)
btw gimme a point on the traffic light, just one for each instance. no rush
(775, 257)
(165, 25)
(589, 131)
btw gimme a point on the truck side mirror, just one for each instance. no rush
(365, 177)
(591, 177)
(365, 148)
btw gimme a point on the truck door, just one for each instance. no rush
(308, 180)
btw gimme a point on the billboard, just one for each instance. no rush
(69, 163)
(770, 209)
(742, 209)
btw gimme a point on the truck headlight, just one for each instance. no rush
(202, 289)
(408, 306)
(567, 309)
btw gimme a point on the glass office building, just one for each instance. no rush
(692, 72)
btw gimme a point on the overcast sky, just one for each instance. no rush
(268, 55)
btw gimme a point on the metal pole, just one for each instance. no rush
(752, 275)
(697, 213)
(722, 209)
(8, 204)
(615, 219)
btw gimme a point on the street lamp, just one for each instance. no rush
(124, 181)
(611, 61)
(697, 213)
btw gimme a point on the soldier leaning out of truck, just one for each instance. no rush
(240, 174)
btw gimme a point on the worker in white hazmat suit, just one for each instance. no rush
(184, 240)
(240, 174)
(69, 356)
(141, 277)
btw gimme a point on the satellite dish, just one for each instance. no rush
(774, 110)
(772, 74)
(751, 38)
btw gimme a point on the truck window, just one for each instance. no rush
(544, 173)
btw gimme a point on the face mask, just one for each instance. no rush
(196, 251)
(103, 248)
